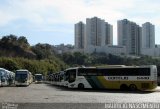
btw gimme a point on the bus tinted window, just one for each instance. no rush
(81, 72)
(126, 72)
(2, 72)
(114, 72)
(87, 72)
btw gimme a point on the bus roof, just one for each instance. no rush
(5, 70)
(112, 66)
(78, 67)
(38, 74)
(22, 70)
(2, 69)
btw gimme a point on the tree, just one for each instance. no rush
(43, 51)
(9, 64)
(22, 41)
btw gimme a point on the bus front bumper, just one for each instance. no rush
(21, 84)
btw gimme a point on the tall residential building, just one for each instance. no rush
(95, 32)
(148, 35)
(79, 35)
(98, 32)
(109, 34)
(129, 35)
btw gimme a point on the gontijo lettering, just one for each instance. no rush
(117, 78)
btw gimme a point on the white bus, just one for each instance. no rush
(158, 78)
(11, 78)
(58, 79)
(23, 78)
(61, 78)
(126, 77)
(6, 77)
(38, 78)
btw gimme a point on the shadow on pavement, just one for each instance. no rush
(61, 88)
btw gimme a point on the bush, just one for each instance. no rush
(34, 66)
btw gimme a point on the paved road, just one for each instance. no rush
(45, 93)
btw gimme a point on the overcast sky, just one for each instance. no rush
(52, 21)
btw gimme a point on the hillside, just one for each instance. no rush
(12, 46)
(16, 53)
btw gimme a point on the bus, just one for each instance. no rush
(23, 78)
(158, 74)
(6, 77)
(158, 79)
(49, 78)
(126, 77)
(62, 78)
(11, 78)
(38, 78)
(56, 78)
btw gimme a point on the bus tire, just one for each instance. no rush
(132, 87)
(80, 86)
(124, 87)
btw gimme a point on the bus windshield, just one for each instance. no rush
(38, 77)
(2, 72)
(21, 76)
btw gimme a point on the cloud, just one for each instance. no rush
(70, 11)
(41, 13)
(52, 11)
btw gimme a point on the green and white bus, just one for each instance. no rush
(117, 77)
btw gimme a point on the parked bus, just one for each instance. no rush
(158, 74)
(1, 73)
(126, 77)
(62, 78)
(158, 79)
(11, 78)
(6, 77)
(49, 79)
(55, 79)
(23, 77)
(38, 78)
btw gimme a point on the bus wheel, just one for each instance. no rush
(80, 86)
(124, 87)
(133, 87)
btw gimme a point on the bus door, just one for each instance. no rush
(72, 75)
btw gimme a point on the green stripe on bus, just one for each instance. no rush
(94, 81)
(97, 82)
(91, 81)
(103, 81)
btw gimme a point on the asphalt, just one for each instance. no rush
(41, 96)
